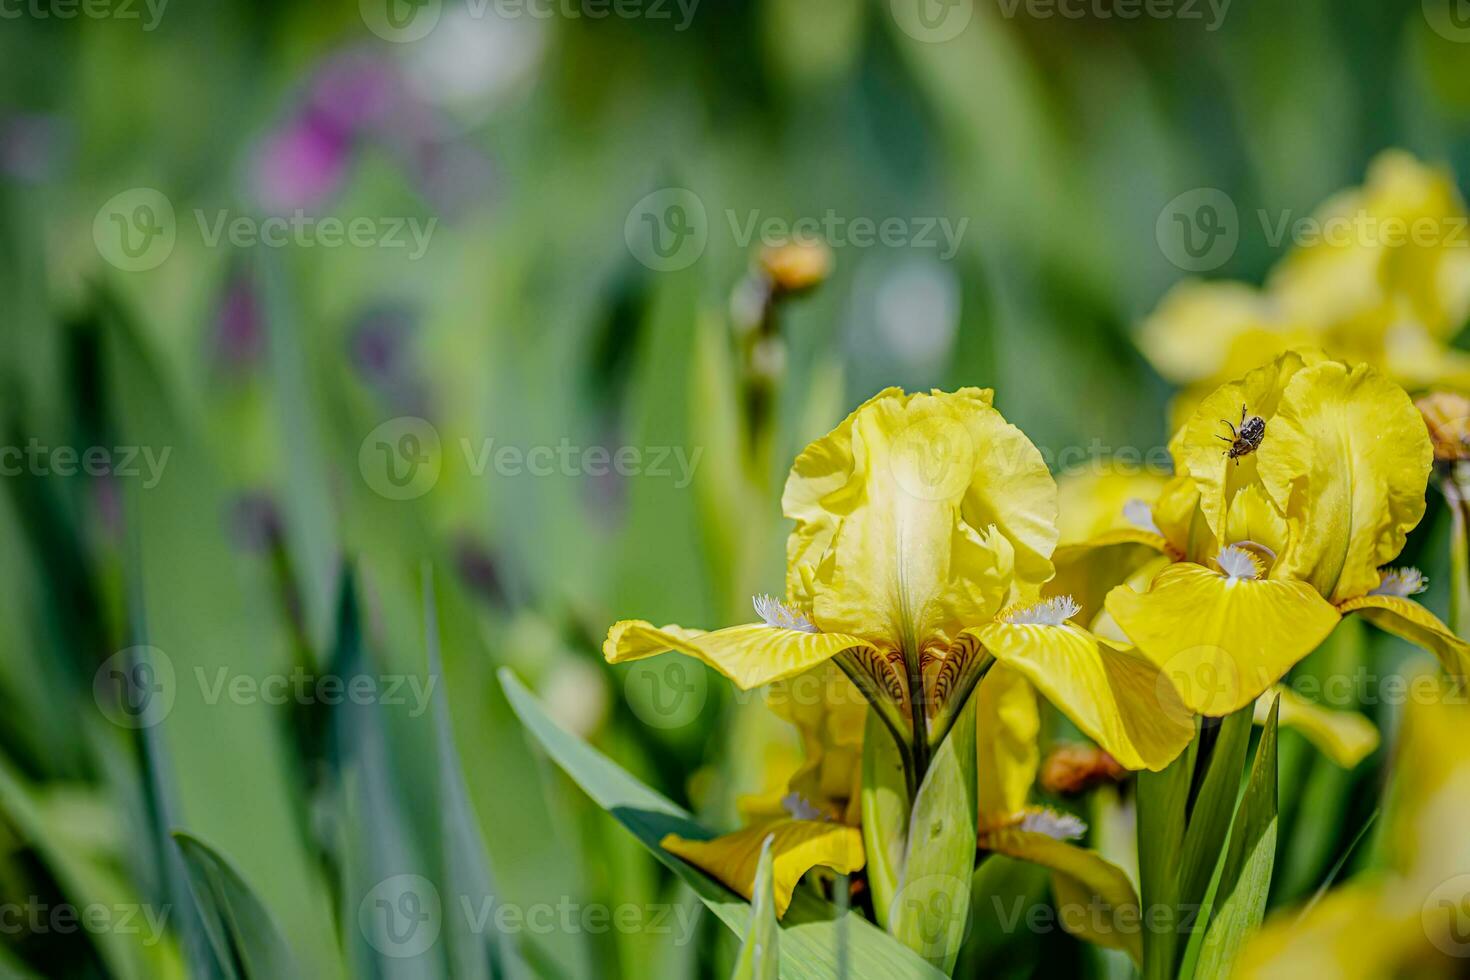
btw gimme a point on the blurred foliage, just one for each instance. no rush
(266, 548)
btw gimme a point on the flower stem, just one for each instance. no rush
(919, 714)
(1457, 495)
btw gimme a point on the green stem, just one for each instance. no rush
(1457, 494)
(919, 716)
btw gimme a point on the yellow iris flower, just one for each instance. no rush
(924, 528)
(1264, 553)
(1382, 277)
(1114, 540)
(1411, 918)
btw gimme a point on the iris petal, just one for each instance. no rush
(1407, 619)
(1347, 458)
(797, 846)
(1008, 726)
(1117, 698)
(1222, 641)
(749, 655)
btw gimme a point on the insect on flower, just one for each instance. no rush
(1247, 438)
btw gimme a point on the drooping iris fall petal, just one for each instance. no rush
(1408, 620)
(1116, 697)
(749, 655)
(1222, 640)
(797, 846)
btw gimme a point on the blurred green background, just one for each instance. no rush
(286, 382)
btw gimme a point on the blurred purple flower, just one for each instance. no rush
(254, 522)
(238, 333)
(32, 146)
(302, 164)
(357, 90)
(379, 341)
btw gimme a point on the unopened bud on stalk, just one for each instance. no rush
(1074, 769)
(1447, 414)
(796, 266)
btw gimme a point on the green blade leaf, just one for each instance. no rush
(464, 865)
(1245, 879)
(1209, 820)
(811, 932)
(932, 903)
(760, 954)
(246, 941)
(885, 814)
(1003, 892)
(1162, 799)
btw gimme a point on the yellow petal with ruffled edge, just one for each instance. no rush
(1117, 698)
(1407, 619)
(1094, 898)
(1201, 446)
(1366, 285)
(1008, 725)
(749, 655)
(894, 513)
(1096, 500)
(797, 846)
(1347, 458)
(1345, 737)
(1222, 641)
(819, 491)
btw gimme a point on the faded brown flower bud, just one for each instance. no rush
(796, 266)
(1447, 414)
(1076, 768)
